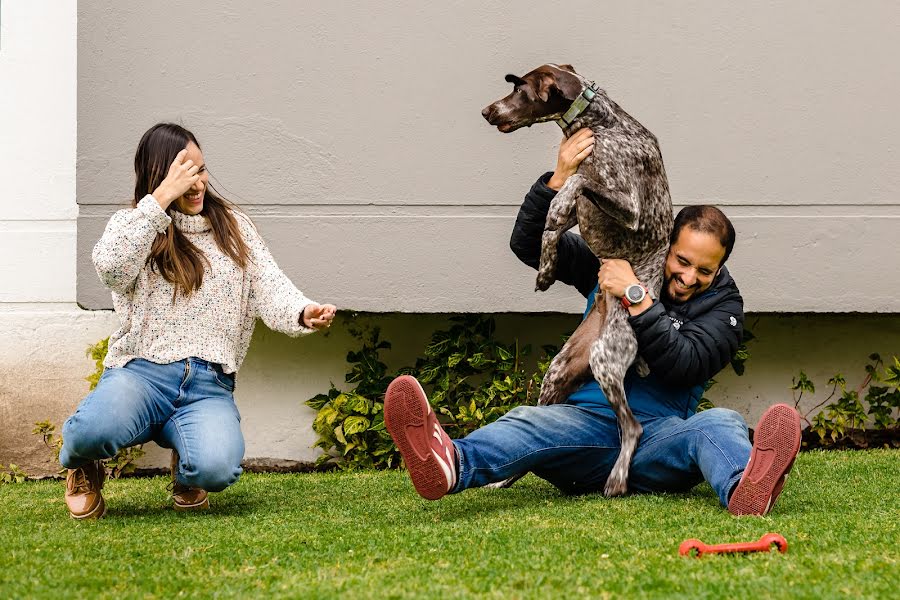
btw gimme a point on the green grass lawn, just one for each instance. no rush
(369, 535)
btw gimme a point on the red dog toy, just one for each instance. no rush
(765, 543)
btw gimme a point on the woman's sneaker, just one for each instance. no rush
(776, 442)
(427, 450)
(83, 491)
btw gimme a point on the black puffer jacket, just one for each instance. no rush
(684, 344)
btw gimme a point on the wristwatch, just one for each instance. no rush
(634, 294)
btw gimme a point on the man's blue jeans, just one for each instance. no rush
(574, 448)
(186, 405)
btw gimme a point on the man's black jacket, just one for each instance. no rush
(683, 344)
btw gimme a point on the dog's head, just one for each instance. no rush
(543, 94)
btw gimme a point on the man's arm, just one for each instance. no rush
(700, 348)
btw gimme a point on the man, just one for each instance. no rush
(686, 337)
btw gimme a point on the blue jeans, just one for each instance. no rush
(574, 448)
(186, 405)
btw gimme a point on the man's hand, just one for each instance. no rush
(318, 316)
(572, 151)
(614, 276)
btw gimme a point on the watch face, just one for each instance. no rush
(635, 293)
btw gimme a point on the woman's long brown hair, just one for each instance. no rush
(173, 255)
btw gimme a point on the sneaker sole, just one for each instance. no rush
(406, 412)
(776, 443)
(198, 506)
(97, 513)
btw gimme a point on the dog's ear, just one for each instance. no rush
(546, 86)
(566, 84)
(568, 68)
(514, 79)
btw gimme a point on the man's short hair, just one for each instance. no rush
(706, 219)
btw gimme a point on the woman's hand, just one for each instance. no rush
(181, 176)
(572, 151)
(615, 275)
(318, 316)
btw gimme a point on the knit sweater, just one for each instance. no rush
(216, 321)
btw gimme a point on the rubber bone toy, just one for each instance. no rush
(765, 543)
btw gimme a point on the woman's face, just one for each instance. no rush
(191, 202)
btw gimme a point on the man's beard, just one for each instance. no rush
(691, 291)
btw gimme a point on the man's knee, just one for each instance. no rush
(721, 418)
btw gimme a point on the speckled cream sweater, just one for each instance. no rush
(216, 321)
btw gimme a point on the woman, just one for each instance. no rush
(189, 275)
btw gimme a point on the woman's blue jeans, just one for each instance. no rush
(574, 449)
(186, 405)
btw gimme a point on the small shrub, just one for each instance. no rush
(98, 353)
(12, 474)
(350, 425)
(471, 378)
(47, 431)
(844, 410)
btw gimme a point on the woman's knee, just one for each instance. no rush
(212, 472)
(84, 440)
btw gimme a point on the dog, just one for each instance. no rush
(619, 197)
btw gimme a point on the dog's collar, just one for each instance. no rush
(581, 102)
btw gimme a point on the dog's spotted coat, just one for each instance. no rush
(619, 198)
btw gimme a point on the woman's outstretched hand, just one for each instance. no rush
(318, 316)
(181, 176)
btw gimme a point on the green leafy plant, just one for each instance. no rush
(12, 474)
(350, 425)
(845, 410)
(47, 431)
(98, 353)
(472, 378)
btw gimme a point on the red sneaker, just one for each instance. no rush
(427, 451)
(775, 446)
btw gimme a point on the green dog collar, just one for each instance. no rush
(581, 102)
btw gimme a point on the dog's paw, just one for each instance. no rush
(502, 485)
(641, 367)
(615, 486)
(544, 281)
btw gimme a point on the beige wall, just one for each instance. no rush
(353, 135)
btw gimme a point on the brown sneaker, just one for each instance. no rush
(776, 442)
(83, 495)
(185, 497)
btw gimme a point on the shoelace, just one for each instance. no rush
(80, 482)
